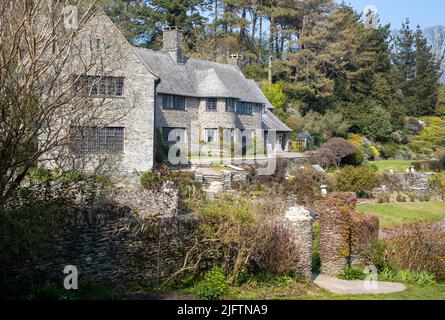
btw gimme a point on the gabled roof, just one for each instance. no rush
(200, 78)
(271, 122)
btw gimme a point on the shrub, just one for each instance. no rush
(357, 179)
(412, 197)
(433, 165)
(406, 276)
(213, 287)
(305, 184)
(280, 174)
(151, 181)
(240, 234)
(437, 184)
(391, 182)
(280, 255)
(351, 273)
(333, 152)
(400, 198)
(417, 247)
(377, 254)
(383, 198)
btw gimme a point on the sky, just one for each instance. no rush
(427, 13)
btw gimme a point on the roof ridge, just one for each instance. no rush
(196, 59)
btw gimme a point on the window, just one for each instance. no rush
(173, 102)
(244, 107)
(211, 104)
(260, 108)
(229, 135)
(91, 140)
(95, 86)
(211, 135)
(230, 105)
(173, 135)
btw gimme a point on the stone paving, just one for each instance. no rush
(338, 286)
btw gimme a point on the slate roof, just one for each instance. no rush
(201, 78)
(271, 122)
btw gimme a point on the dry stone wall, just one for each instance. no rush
(113, 247)
(149, 204)
(345, 235)
(299, 221)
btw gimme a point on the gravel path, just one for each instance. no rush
(338, 286)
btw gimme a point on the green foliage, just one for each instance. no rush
(431, 137)
(356, 179)
(321, 127)
(437, 183)
(316, 264)
(213, 287)
(422, 278)
(401, 198)
(377, 254)
(277, 97)
(375, 123)
(351, 273)
(151, 181)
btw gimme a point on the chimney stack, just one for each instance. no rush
(235, 60)
(173, 43)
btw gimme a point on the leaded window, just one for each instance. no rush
(94, 140)
(96, 86)
(211, 104)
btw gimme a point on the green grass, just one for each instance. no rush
(294, 290)
(431, 292)
(393, 214)
(397, 165)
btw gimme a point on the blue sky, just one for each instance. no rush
(427, 13)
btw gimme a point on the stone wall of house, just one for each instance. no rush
(101, 44)
(165, 118)
(195, 112)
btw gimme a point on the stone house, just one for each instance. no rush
(170, 94)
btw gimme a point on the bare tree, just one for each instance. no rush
(45, 53)
(436, 38)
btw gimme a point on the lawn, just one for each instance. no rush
(431, 292)
(305, 291)
(397, 165)
(393, 214)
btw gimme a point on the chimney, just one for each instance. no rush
(235, 60)
(173, 43)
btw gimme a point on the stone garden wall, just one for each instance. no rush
(113, 247)
(148, 204)
(345, 235)
(299, 222)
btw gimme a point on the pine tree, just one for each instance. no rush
(426, 83)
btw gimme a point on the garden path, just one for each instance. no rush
(338, 286)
